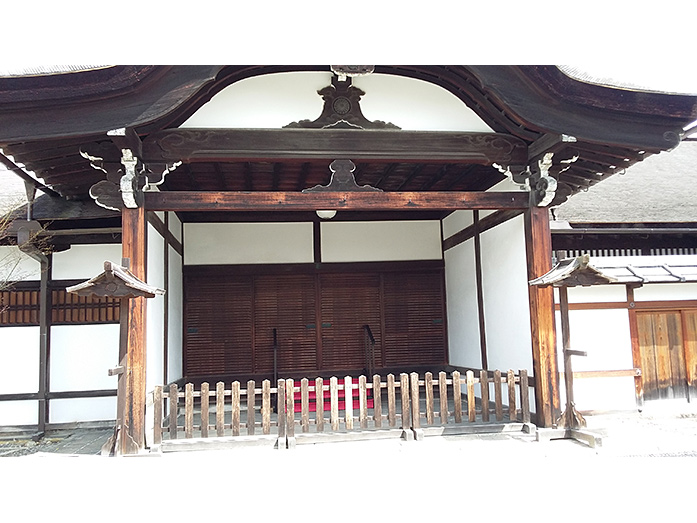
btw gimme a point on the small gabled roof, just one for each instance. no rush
(116, 282)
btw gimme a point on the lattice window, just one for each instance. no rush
(21, 307)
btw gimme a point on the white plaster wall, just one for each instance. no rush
(506, 185)
(666, 291)
(175, 225)
(380, 241)
(18, 413)
(19, 360)
(461, 300)
(81, 356)
(17, 266)
(155, 310)
(175, 318)
(239, 243)
(605, 335)
(84, 261)
(275, 100)
(457, 221)
(595, 294)
(82, 409)
(506, 301)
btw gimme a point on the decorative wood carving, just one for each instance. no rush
(342, 179)
(188, 145)
(342, 109)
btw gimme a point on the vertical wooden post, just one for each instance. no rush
(377, 402)
(319, 404)
(538, 241)
(404, 396)
(134, 241)
(415, 401)
(205, 400)
(428, 385)
(636, 350)
(484, 381)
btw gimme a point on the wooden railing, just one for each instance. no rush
(408, 402)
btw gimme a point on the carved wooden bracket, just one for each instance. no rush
(342, 109)
(342, 180)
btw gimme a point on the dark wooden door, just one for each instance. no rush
(662, 350)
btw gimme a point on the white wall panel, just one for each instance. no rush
(175, 318)
(81, 356)
(456, 221)
(380, 241)
(461, 298)
(240, 243)
(506, 301)
(84, 261)
(82, 409)
(18, 413)
(19, 360)
(155, 310)
(666, 291)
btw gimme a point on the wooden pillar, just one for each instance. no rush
(538, 241)
(44, 341)
(134, 241)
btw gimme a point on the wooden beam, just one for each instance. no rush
(340, 201)
(134, 241)
(486, 223)
(538, 242)
(189, 145)
(480, 290)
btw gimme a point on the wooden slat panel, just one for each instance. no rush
(217, 321)
(690, 341)
(286, 303)
(349, 301)
(414, 318)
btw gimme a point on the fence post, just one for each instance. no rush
(220, 409)
(266, 407)
(524, 397)
(391, 407)
(304, 405)
(290, 412)
(428, 385)
(362, 402)
(484, 382)
(319, 404)
(157, 411)
(471, 405)
(457, 396)
(404, 396)
(334, 403)
(348, 402)
(251, 401)
(497, 395)
(173, 410)
(281, 418)
(415, 407)
(443, 397)
(377, 402)
(235, 407)
(510, 381)
(205, 390)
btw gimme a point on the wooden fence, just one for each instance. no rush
(409, 403)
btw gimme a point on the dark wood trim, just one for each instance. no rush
(68, 394)
(311, 268)
(165, 330)
(633, 305)
(341, 201)
(45, 308)
(163, 230)
(538, 242)
(486, 223)
(191, 145)
(636, 348)
(317, 241)
(480, 290)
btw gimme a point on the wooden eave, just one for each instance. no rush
(46, 121)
